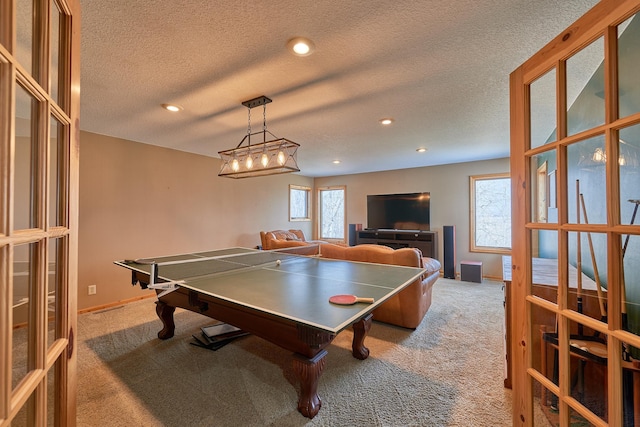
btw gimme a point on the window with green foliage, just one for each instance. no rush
(490, 216)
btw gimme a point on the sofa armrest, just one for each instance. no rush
(431, 265)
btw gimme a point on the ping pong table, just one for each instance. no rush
(278, 296)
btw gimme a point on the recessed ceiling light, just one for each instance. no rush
(336, 162)
(172, 107)
(421, 150)
(386, 121)
(301, 46)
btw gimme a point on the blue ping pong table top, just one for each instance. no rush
(298, 288)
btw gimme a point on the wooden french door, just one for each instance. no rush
(39, 131)
(575, 108)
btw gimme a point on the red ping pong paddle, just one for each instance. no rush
(349, 299)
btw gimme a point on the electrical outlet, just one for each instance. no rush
(92, 289)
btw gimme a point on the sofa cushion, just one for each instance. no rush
(299, 234)
(288, 235)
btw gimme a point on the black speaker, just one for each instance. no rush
(352, 235)
(449, 246)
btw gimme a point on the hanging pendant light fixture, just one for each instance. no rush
(271, 157)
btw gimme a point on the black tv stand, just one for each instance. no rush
(426, 241)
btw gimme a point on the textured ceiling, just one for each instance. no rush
(440, 69)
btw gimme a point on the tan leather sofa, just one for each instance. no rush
(408, 307)
(278, 239)
(283, 239)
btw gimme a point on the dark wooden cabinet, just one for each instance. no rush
(426, 241)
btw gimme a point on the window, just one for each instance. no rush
(490, 214)
(299, 203)
(331, 213)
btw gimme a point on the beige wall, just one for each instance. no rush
(449, 188)
(138, 200)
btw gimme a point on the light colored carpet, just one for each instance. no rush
(448, 372)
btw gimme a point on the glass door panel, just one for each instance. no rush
(629, 390)
(544, 339)
(26, 162)
(543, 110)
(58, 158)
(544, 188)
(26, 416)
(55, 279)
(24, 38)
(544, 244)
(544, 266)
(628, 59)
(54, 36)
(629, 172)
(586, 183)
(587, 372)
(545, 411)
(585, 88)
(631, 285)
(588, 274)
(25, 288)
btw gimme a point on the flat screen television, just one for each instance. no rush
(399, 211)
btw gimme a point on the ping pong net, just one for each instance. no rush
(168, 273)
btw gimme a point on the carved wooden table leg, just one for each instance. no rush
(309, 371)
(165, 313)
(360, 330)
